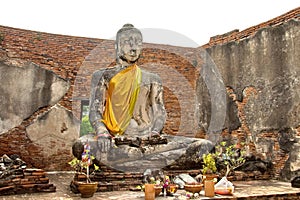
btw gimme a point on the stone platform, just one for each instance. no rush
(26, 181)
(110, 180)
(244, 190)
(119, 181)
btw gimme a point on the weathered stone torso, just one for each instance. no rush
(149, 111)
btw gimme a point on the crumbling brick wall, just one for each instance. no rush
(259, 66)
(237, 35)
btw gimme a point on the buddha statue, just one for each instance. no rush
(128, 114)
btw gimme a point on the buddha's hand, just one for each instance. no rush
(104, 141)
(154, 133)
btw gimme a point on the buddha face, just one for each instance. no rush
(130, 45)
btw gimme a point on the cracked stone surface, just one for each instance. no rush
(26, 87)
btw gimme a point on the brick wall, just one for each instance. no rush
(237, 35)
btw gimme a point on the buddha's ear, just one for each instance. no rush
(119, 54)
(117, 51)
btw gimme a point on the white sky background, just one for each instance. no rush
(195, 19)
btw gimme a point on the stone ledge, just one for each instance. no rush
(118, 181)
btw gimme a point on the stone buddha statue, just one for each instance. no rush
(127, 109)
(126, 100)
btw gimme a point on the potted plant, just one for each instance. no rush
(209, 169)
(230, 157)
(87, 188)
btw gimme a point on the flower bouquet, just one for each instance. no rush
(82, 168)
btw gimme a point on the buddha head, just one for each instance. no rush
(128, 44)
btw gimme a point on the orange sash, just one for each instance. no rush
(122, 93)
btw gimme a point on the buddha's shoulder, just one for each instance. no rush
(150, 77)
(106, 71)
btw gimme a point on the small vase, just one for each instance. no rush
(209, 188)
(149, 192)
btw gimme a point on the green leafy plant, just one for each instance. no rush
(233, 156)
